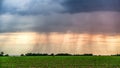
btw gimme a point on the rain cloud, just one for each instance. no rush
(90, 16)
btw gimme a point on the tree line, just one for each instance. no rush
(62, 54)
(59, 54)
(3, 54)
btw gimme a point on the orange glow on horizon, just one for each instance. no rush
(60, 42)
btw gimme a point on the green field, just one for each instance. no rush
(61, 62)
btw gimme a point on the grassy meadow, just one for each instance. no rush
(60, 62)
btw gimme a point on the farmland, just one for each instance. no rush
(60, 62)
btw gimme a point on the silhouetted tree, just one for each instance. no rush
(87, 54)
(63, 54)
(59, 54)
(35, 54)
(2, 54)
(6, 55)
(52, 54)
(116, 55)
(77, 55)
(22, 55)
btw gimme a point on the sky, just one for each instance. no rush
(26, 19)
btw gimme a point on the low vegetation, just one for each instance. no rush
(60, 62)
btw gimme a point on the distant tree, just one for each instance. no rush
(2, 54)
(6, 55)
(77, 55)
(28, 54)
(52, 54)
(45, 54)
(63, 54)
(87, 54)
(116, 55)
(22, 55)
(35, 54)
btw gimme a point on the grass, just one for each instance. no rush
(60, 62)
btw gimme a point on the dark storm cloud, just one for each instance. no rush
(94, 22)
(54, 23)
(76, 6)
(35, 7)
(54, 16)
(31, 7)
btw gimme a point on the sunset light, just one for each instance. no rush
(60, 42)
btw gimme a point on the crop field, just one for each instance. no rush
(60, 62)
